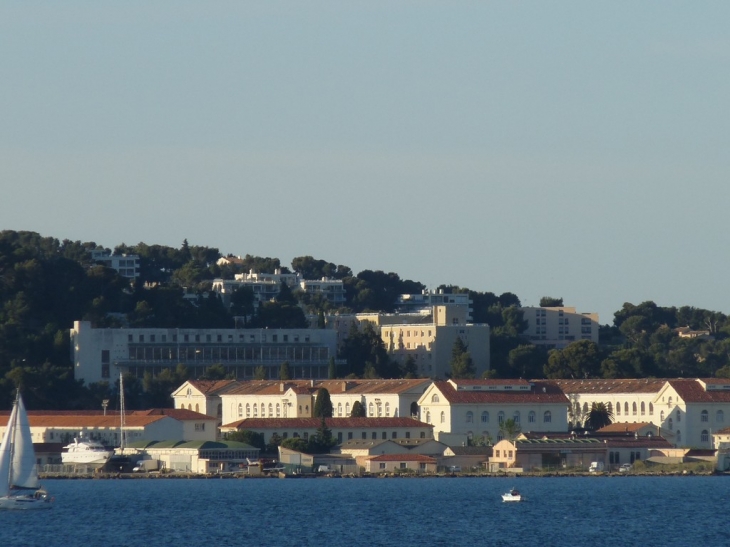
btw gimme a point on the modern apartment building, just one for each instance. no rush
(100, 354)
(125, 265)
(558, 327)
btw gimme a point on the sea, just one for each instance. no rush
(559, 511)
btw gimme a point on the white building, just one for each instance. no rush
(461, 409)
(410, 303)
(231, 400)
(100, 354)
(58, 426)
(557, 327)
(125, 265)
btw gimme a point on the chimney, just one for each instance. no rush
(344, 386)
(281, 387)
(311, 383)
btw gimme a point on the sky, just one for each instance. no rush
(565, 149)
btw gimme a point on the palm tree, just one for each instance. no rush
(509, 429)
(599, 416)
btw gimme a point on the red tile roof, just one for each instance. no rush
(332, 423)
(544, 393)
(402, 458)
(211, 387)
(692, 391)
(176, 413)
(642, 385)
(622, 427)
(267, 387)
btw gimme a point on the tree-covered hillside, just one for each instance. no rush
(46, 284)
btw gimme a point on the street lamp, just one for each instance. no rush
(104, 404)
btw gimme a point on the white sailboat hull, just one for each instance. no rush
(24, 503)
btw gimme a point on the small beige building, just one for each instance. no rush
(389, 463)
(547, 454)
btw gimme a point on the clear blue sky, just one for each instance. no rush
(570, 149)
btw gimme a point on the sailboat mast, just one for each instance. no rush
(13, 432)
(121, 413)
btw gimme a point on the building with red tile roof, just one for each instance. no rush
(462, 409)
(388, 463)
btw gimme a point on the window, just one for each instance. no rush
(374, 435)
(364, 435)
(679, 416)
(255, 410)
(719, 416)
(470, 417)
(547, 417)
(704, 416)
(381, 465)
(339, 410)
(500, 417)
(271, 410)
(371, 410)
(651, 409)
(618, 409)
(633, 407)
(531, 417)
(394, 435)
(516, 417)
(661, 416)
(278, 410)
(670, 424)
(428, 417)
(496, 453)
(347, 409)
(387, 409)
(626, 408)
(434, 398)
(704, 436)
(643, 408)
(197, 408)
(200, 427)
(485, 417)
(384, 435)
(443, 417)
(240, 410)
(402, 465)
(669, 402)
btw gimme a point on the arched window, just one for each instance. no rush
(371, 410)
(248, 410)
(585, 408)
(643, 408)
(626, 408)
(428, 417)
(387, 409)
(516, 417)
(531, 417)
(661, 416)
(240, 411)
(255, 410)
(610, 407)
(576, 409)
(443, 417)
(679, 436)
(435, 398)
(651, 409)
(670, 424)
(547, 417)
(704, 436)
(500, 417)
(669, 402)
(719, 416)
(470, 417)
(485, 417)
(618, 409)
(306, 409)
(679, 416)
(347, 409)
(339, 410)
(278, 410)
(704, 416)
(271, 410)
(633, 407)
(197, 408)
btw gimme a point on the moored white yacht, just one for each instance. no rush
(512, 495)
(85, 452)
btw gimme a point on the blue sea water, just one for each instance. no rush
(575, 511)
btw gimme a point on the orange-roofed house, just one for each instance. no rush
(400, 462)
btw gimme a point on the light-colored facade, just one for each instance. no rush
(547, 454)
(557, 327)
(477, 408)
(197, 456)
(409, 303)
(296, 398)
(125, 265)
(343, 429)
(140, 425)
(399, 463)
(687, 411)
(100, 354)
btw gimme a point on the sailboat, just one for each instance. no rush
(19, 485)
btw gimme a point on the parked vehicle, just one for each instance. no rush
(625, 468)
(595, 467)
(145, 466)
(454, 469)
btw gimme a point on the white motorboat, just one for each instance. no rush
(86, 452)
(19, 485)
(512, 495)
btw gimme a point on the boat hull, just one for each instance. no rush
(24, 503)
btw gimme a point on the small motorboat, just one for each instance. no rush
(512, 495)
